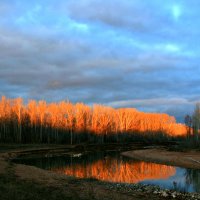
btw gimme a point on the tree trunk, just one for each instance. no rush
(71, 133)
(41, 133)
(20, 132)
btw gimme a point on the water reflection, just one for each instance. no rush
(110, 169)
(192, 177)
(115, 168)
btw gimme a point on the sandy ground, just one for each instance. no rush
(190, 159)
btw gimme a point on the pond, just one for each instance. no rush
(112, 167)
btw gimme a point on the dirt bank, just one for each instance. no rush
(32, 183)
(190, 159)
(69, 187)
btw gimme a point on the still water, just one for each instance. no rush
(112, 167)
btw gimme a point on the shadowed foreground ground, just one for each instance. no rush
(21, 182)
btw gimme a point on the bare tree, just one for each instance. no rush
(188, 123)
(66, 122)
(41, 110)
(18, 107)
(196, 120)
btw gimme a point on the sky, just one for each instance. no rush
(121, 53)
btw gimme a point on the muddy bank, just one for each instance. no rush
(190, 159)
(70, 187)
(76, 188)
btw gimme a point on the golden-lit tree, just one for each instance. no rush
(32, 112)
(128, 119)
(82, 117)
(42, 107)
(69, 123)
(70, 119)
(18, 109)
(5, 116)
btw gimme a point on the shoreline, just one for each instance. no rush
(76, 187)
(189, 159)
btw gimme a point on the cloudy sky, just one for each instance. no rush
(122, 53)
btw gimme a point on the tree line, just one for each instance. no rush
(192, 123)
(64, 122)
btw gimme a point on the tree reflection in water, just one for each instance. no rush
(193, 178)
(112, 167)
(118, 170)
